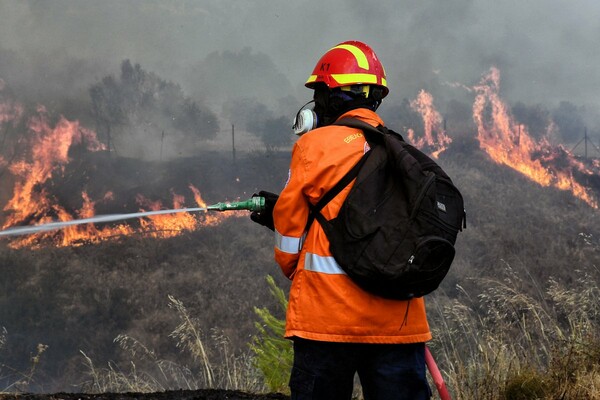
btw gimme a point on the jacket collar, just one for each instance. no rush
(363, 114)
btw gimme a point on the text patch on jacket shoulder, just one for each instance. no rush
(352, 137)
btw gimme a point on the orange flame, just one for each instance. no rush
(166, 225)
(49, 152)
(48, 155)
(81, 234)
(435, 135)
(216, 218)
(509, 143)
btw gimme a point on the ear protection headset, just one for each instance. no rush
(305, 120)
(330, 104)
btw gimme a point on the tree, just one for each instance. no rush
(106, 108)
(258, 119)
(142, 104)
(276, 132)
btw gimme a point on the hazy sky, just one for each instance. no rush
(546, 50)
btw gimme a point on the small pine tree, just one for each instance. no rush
(274, 354)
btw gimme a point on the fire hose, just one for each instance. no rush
(436, 375)
(255, 203)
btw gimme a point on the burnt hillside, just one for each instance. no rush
(80, 298)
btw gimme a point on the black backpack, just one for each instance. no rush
(395, 232)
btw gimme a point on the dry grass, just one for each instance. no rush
(506, 344)
(206, 362)
(21, 381)
(500, 344)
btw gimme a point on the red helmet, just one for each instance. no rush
(349, 63)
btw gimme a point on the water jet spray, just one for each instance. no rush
(255, 203)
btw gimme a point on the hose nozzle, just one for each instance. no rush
(256, 203)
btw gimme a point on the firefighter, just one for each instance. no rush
(338, 329)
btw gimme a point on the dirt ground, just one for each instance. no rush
(206, 394)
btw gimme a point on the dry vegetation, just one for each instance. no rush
(517, 318)
(507, 343)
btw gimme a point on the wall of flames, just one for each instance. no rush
(47, 153)
(509, 143)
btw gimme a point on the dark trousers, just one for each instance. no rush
(325, 371)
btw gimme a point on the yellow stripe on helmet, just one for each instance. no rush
(343, 79)
(346, 79)
(361, 58)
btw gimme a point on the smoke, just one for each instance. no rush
(219, 49)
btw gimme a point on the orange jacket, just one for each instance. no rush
(324, 304)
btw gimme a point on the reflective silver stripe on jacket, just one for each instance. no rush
(323, 264)
(288, 244)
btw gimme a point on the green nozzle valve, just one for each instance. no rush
(256, 203)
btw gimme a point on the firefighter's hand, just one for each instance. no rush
(265, 217)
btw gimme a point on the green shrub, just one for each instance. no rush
(274, 354)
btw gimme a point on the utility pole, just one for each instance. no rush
(233, 141)
(586, 140)
(162, 140)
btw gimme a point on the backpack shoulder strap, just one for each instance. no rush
(373, 134)
(315, 211)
